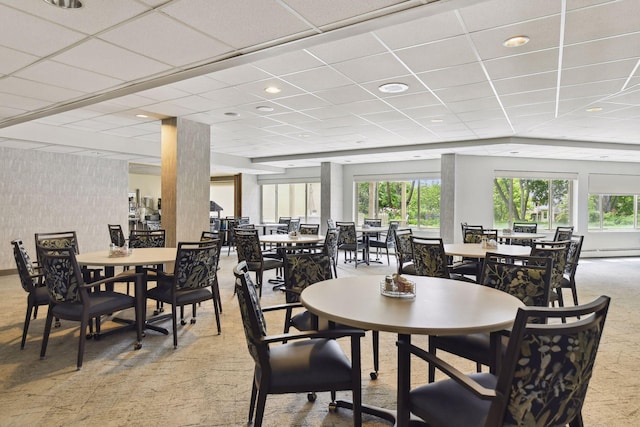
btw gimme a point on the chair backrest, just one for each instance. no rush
(573, 255)
(490, 233)
(247, 244)
(304, 269)
(374, 222)
(347, 233)
(526, 277)
(331, 243)
(547, 366)
(331, 223)
(294, 225)
(24, 265)
(310, 229)
(116, 235)
(243, 220)
(558, 252)
(196, 264)
(61, 240)
(391, 233)
(525, 227)
(147, 238)
(429, 257)
(472, 235)
(464, 226)
(209, 235)
(404, 248)
(563, 233)
(214, 224)
(255, 326)
(62, 274)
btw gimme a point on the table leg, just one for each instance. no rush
(404, 381)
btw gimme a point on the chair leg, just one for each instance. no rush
(45, 336)
(262, 400)
(252, 402)
(216, 310)
(175, 325)
(432, 368)
(577, 421)
(375, 335)
(25, 328)
(83, 338)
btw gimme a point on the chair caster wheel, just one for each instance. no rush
(311, 397)
(56, 324)
(183, 322)
(144, 334)
(137, 346)
(193, 321)
(89, 336)
(374, 375)
(333, 407)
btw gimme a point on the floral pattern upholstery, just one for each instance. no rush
(557, 253)
(253, 322)
(429, 257)
(529, 283)
(196, 267)
(116, 235)
(551, 376)
(248, 246)
(62, 242)
(60, 275)
(347, 233)
(147, 239)
(26, 271)
(310, 229)
(302, 270)
(472, 235)
(525, 228)
(563, 233)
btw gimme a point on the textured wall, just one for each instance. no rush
(51, 192)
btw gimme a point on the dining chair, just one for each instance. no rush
(250, 251)
(70, 298)
(563, 233)
(66, 239)
(473, 234)
(308, 362)
(330, 248)
(116, 235)
(301, 271)
(213, 235)
(144, 239)
(569, 277)
(543, 380)
(524, 227)
(309, 229)
(525, 277)
(33, 284)
(284, 228)
(430, 258)
(389, 240)
(404, 251)
(558, 252)
(348, 241)
(194, 279)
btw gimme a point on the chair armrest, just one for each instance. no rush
(462, 379)
(329, 333)
(115, 279)
(281, 306)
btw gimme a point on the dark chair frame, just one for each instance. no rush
(348, 241)
(389, 241)
(404, 251)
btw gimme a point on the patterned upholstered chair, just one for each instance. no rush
(569, 278)
(193, 280)
(330, 248)
(404, 251)
(116, 235)
(527, 278)
(538, 383)
(70, 298)
(249, 250)
(430, 259)
(33, 284)
(389, 240)
(557, 252)
(471, 266)
(66, 239)
(348, 241)
(563, 233)
(524, 227)
(290, 367)
(309, 229)
(147, 238)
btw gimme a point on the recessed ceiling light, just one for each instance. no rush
(437, 120)
(264, 108)
(393, 87)
(231, 114)
(515, 41)
(142, 116)
(65, 4)
(272, 89)
(594, 109)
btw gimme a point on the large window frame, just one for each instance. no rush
(544, 198)
(412, 200)
(290, 199)
(613, 202)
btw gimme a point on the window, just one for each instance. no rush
(299, 200)
(413, 202)
(547, 202)
(613, 212)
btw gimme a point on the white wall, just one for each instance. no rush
(50, 192)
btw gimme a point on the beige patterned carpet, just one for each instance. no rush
(207, 380)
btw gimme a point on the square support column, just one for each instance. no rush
(331, 197)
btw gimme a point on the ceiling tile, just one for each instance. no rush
(371, 68)
(348, 48)
(521, 65)
(302, 102)
(11, 60)
(288, 63)
(162, 38)
(424, 30)
(37, 90)
(610, 49)
(495, 13)
(526, 83)
(623, 13)
(597, 72)
(440, 54)
(461, 93)
(453, 76)
(61, 75)
(345, 94)
(104, 58)
(317, 79)
(330, 11)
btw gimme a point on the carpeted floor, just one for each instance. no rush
(207, 380)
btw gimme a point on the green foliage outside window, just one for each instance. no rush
(608, 212)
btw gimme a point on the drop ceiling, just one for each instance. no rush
(75, 81)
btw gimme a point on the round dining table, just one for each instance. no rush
(440, 307)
